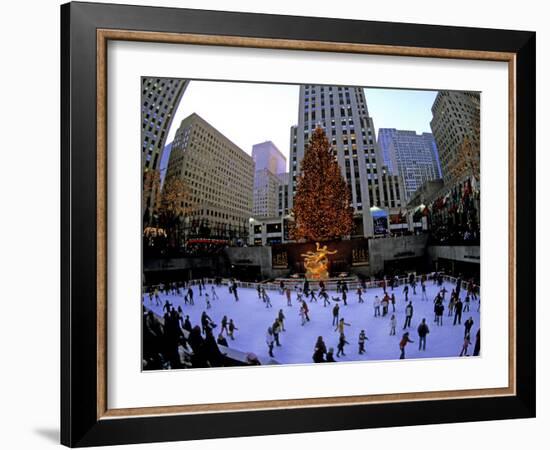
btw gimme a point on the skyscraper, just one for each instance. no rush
(270, 164)
(413, 156)
(219, 175)
(266, 155)
(343, 114)
(455, 119)
(160, 98)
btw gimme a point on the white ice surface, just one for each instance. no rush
(252, 318)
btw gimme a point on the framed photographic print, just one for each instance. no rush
(276, 224)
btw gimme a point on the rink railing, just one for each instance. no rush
(329, 285)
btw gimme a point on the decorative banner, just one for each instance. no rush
(380, 225)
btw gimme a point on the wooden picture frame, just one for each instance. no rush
(85, 416)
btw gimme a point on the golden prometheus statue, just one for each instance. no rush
(316, 263)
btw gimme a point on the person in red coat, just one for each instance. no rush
(403, 343)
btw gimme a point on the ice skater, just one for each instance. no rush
(270, 340)
(458, 311)
(319, 351)
(276, 328)
(376, 305)
(306, 310)
(341, 344)
(324, 294)
(302, 314)
(232, 329)
(465, 345)
(466, 303)
(335, 314)
(408, 315)
(360, 295)
(190, 295)
(266, 298)
(207, 298)
(341, 324)
(406, 292)
(468, 326)
(214, 293)
(361, 341)
(288, 297)
(393, 324)
(424, 296)
(224, 325)
(281, 317)
(403, 343)
(423, 331)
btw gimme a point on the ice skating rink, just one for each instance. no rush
(252, 319)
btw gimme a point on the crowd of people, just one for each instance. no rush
(173, 341)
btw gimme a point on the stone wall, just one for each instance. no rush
(395, 248)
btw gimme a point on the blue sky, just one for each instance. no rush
(400, 108)
(249, 113)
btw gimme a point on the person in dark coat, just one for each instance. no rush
(330, 355)
(341, 344)
(211, 350)
(477, 346)
(423, 331)
(468, 326)
(222, 340)
(319, 351)
(458, 311)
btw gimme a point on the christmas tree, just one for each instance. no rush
(322, 203)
